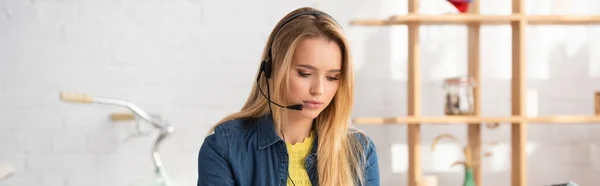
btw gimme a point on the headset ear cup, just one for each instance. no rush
(267, 68)
(262, 66)
(260, 70)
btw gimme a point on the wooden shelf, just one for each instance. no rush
(518, 22)
(462, 19)
(438, 19)
(559, 119)
(566, 119)
(563, 20)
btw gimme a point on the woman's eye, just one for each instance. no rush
(333, 78)
(303, 74)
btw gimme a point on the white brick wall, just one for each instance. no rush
(192, 62)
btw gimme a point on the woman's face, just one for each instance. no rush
(314, 76)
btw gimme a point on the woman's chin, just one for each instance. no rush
(309, 114)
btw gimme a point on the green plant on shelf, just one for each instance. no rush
(469, 162)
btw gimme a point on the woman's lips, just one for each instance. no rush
(313, 104)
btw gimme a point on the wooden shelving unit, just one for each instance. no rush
(462, 19)
(518, 120)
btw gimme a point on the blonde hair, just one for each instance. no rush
(339, 151)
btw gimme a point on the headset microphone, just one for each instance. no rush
(267, 70)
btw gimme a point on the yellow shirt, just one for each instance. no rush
(297, 166)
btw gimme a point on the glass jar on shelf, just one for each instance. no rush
(459, 95)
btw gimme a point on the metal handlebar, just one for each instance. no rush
(164, 128)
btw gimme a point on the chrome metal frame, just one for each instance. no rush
(164, 128)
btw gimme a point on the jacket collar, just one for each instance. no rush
(267, 135)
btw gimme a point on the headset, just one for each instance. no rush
(266, 65)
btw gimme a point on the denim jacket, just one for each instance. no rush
(249, 153)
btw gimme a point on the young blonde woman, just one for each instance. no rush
(294, 128)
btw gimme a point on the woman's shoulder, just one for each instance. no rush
(234, 126)
(359, 134)
(362, 138)
(229, 134)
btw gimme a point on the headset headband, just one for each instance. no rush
(312, 12)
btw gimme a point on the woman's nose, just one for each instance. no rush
(317, 87)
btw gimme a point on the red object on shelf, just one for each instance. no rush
(461, 5)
